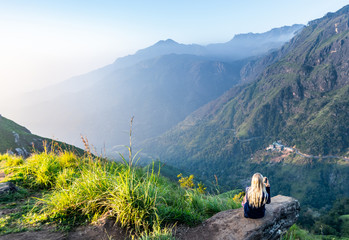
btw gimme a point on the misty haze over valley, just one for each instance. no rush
(159, 85)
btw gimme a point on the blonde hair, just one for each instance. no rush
(256, 191)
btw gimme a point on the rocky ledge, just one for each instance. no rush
(280, 214)
(7, 187)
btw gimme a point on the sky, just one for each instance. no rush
(46, 42)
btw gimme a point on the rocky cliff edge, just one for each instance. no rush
(280, 214)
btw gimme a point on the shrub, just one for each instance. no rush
(186, 182)
(68, 160)
(133, 202)
(11, 160)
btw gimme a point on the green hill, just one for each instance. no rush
(16, 138)
(19, 140)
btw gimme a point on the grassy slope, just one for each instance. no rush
(295, 233)
(7, 138)
(26, 140)
(84, 189)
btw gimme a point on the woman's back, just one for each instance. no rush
(253, 211)
(256, 197)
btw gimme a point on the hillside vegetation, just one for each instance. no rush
(76, 190)
(18, 140)
(15, 136)
(302, 98)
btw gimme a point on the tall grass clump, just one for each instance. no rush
(41, 170)
(133, 201)
(107, 189)
(158, 233)
(189, 206)
(11, 160)
(86, 196)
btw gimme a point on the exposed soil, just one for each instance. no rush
(7, 211)
(180, 231)
(39, 235)
(280, 158)
(104, 230)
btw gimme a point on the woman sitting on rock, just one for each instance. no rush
(256, 197)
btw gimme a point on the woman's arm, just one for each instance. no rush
(267, 188)
(268, 197)
(266, 181)
(244, 199)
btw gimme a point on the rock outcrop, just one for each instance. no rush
(7, 187)
(280, 214)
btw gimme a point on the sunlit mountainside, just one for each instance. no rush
(302, 98)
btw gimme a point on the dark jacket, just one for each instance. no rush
(253, 212)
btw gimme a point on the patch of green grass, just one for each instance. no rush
(12, 197)
(344, 217)
(44, 170)
(158, 233)
(11, 160)
(295, 233)
(15, 212)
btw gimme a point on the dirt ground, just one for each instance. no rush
(104, 230)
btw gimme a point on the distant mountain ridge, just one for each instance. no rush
(159, 85)
(252, 44)
(239, 47)
(105, 109)
(162, 47)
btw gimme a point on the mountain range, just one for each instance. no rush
(298, 95)
(159, 85)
